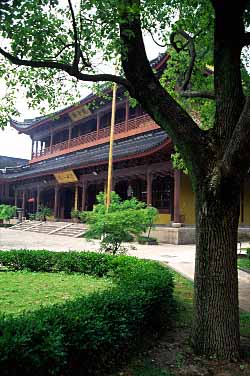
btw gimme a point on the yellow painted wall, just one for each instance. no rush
(163, 219)
(187, 202)
(246, 205)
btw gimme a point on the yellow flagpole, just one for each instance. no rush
(111, 141)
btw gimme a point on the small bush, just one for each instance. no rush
(146, 240)
(7, 212)
(78, 214)
(42, 214)
(120, 223)
(86, 335)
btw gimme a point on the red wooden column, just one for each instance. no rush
(177, 183)
(126, 114)
(38, 198)
(16, 197)
(84, 195)
(149, 187)
(32, 149)
(70, 133)
(56, 201)
(76, 197)
(23, 201)
(51, 141)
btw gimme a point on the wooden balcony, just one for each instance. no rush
(132, 127)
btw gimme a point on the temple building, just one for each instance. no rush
(69, 161)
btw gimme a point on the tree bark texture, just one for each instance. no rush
(216, 313)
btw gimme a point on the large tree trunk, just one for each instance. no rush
(216, 319)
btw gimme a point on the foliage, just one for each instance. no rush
(146, 240)
(43, 213)
(78, 214)
(97, 24)
(46, 261)
(7, 212)
(244, 263)
(86, 335)
(122, 220)
(178, 162)
(74, 213)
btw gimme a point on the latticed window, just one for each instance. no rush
(162, 193)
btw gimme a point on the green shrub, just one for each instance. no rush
(121, 222)
(93, 332)
(78, 214)
(7, 212)
(46, 261)
(43, 213)
(146, 240)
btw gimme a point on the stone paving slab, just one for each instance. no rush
(179, 257)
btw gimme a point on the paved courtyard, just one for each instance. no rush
(179, 257)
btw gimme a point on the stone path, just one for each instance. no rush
(178, 257)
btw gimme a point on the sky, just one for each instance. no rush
(13, 144)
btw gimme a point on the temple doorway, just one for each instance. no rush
(92, 192)
(66, 202)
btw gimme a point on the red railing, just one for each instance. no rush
(121, 130)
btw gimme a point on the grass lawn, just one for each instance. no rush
(171, 354)
(244, 263)
(22, 291)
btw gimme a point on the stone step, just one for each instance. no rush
(68, 231)
(73, 230)
(21, 225)
(44, 229)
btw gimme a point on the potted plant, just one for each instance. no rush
(147, 240)
(43, 213)
(6, 213)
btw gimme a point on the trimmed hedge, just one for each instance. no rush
(84, 336)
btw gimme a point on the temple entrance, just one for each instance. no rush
(92, 192)
(121, 188)
(47, 198)
(66, 202)
(129, 188)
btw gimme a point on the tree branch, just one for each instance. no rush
(155, 41)
(155, 99)
(236, 160)
(197, 94)
(183, 88)
(62, 49)
(192, 53)
(66, 68)
(76, 42)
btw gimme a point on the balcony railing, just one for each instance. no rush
(133, 126)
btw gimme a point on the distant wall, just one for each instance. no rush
(163, 219)
(246, 204)
(187, 202)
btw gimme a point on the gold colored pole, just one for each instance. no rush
(76, 197)
(111, 141)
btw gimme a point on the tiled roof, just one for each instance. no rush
(27, 123)
(11, 162)
(95, 155)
